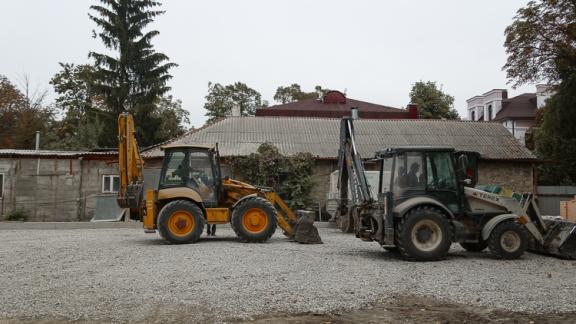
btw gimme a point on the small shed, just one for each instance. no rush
(56, 186)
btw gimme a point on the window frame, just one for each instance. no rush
(111, 184)
(2, 177)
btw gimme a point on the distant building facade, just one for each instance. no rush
(517, 114)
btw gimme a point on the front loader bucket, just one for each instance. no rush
(305, 231)
(559, 240)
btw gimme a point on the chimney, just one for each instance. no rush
(236, 112)
(354, 112)
(412, 111)
(543, 92)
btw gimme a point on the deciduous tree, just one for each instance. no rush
(173, 119)
(540, 42)
(80, 127)
(22, 113)
(294, 93)
(432, 102)
(220, 100)
(541, 46)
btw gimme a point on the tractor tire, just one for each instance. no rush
(423, 234)
(474, 247)
(508, 240)
(254, 220)
(181, 222)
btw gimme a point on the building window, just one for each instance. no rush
(1, 185)
(473, 115)
(489, 112)
(110, 183)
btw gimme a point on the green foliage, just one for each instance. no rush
(21, 115)
(298, 183)
(291, 176)
(137, 77)
(293, 93)
(555, 138)
(220, 99)
(16, 215)
(83, 109)
(432, 102)
(540, 42)
(172, 119)
(540, 46)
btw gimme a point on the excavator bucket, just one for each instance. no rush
(559, 240)
(305, 232)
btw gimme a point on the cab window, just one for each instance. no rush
(409, 173)
(201, 175)
(176, 169)
(440, 171)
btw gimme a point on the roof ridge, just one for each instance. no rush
(188, 132)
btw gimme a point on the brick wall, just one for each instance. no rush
(516, 175)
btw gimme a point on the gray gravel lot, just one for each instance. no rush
(126, 275)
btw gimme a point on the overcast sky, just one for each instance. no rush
(375, 50)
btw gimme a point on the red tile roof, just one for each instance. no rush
(334, 106)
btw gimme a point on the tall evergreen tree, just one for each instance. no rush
(134, 78)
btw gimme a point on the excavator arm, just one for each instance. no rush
(351, 178)
(130, 167)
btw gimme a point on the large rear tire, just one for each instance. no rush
(254, 220)
(423, 234)
(508, 240)
(180, 222)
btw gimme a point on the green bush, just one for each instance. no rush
(290, 176)
(18, 214)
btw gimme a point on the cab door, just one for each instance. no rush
(203, 176)
(441, 181)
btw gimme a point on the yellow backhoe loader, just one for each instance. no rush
(192, 192)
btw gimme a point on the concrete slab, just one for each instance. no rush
(66, 225)
(95, 225)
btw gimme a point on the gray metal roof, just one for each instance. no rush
(238, 136)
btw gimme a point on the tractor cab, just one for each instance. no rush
(420, 171)
(194, 167)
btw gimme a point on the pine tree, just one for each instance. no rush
(136, 77)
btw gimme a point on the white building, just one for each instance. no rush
(517, 114)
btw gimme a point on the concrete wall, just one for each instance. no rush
(92, 172)
(48, 195)
(518, 176)
(63, 189)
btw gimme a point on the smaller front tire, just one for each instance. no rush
(181, 222)
(508, 240)
(254, 220)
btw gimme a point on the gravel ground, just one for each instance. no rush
(126, 275)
